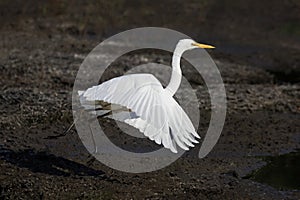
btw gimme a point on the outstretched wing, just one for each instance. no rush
(160, 117)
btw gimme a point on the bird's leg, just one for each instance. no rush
(66, 131)
(107, 107)
(94, 142)
(105, 114)
(91, 157)
(111, 112)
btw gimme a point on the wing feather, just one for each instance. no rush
(160, 117)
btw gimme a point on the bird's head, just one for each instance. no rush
(188, 44)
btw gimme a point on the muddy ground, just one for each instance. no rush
(43, 45)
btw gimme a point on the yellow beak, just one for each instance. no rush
(204, 46)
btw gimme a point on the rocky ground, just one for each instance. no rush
(38, 66)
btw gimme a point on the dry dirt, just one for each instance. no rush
(41, 51)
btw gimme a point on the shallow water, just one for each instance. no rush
(281, 172)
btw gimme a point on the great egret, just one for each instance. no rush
(158, 115)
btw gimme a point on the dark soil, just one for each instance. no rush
(42, 46)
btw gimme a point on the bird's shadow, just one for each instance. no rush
(44, 162)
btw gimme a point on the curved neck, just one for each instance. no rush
(176, 72)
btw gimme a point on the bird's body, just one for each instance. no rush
(158, 115)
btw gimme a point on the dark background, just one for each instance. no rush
(263, 33)
(258, 53)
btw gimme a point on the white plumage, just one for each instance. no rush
(159, 116)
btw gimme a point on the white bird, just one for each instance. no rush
(158, 115)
